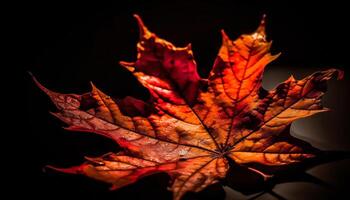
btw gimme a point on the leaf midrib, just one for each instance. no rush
(149, 136)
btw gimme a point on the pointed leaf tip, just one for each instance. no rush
(94, 160)
(30, 73)
(40, 86)
(142, 28)
(224, 35)
(128, 65)
(92, 85)
(262, 25)
(93, 88)
(71, 170)
(189, 46)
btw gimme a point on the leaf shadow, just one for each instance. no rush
(249, 183)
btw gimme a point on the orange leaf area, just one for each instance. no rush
(192, 127)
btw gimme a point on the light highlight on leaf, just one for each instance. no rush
(188, 131)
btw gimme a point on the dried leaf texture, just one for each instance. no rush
(191, 126)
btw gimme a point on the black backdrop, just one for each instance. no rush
(67, 45)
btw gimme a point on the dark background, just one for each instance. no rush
(66, 45)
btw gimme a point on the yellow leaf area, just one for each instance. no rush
(192, 127)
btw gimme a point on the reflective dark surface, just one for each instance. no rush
(67, 45)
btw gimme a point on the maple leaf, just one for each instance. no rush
(192, 127)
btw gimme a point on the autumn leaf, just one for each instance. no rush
(192, 127)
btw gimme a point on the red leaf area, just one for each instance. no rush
(191, 126)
